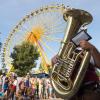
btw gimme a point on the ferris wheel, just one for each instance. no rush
(44, 27)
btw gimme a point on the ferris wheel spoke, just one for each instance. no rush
(52, 39)
(56, 29)
(43, 54)
(44, 20)
(53, 32)
(51, 50)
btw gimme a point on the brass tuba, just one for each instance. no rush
(68, 73)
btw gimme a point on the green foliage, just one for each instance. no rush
(0, 72)
(24, 58)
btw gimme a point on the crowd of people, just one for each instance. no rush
(25, 88)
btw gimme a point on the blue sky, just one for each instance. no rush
(12, 11)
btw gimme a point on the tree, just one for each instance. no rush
(24, 58)
(0, 72)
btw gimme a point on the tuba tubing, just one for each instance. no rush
(63, 80)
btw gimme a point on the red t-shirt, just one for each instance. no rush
(91, 74)
(13, 87)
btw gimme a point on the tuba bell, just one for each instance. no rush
(68, 72)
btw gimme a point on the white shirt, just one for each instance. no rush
(15, 83)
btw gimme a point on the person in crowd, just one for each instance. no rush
(40, 88)
(1, 82)
(36, 82)
(27, 81)
(6, 83)
(13, 88)
(20, 93)
(43, 88)
(33, 86)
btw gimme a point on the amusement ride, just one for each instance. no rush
(44, 27)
